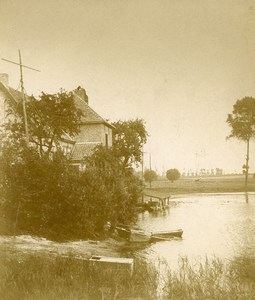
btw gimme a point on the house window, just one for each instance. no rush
(106, 140)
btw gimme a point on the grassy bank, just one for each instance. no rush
(41, 277)
(220, 184)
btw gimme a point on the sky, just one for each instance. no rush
(179, 65)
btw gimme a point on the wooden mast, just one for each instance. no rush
(21, 66)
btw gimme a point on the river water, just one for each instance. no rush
(221, 225)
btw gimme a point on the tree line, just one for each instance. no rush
(42, 193)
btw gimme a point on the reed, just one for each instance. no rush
(212, 279)
(25, 276)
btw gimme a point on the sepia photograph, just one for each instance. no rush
(127, 140)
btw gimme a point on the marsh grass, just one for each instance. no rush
(43, 277)
(46, 277)
(212, 280)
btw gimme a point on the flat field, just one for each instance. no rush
(212, 184)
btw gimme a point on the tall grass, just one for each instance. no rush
(45, 277)
(212, 280)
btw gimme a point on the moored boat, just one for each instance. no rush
(134, 235)
(123, 232)
(139, 236)
(165, 235)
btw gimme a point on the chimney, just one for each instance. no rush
(4, 78)
(81, 94)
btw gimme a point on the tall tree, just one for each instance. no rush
(128, 141)
(242, 123)
(49, 119)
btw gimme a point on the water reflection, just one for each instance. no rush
(220, 225)
(247, 197)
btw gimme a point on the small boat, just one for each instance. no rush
(133, 235)
(166, 235)
(139, 236)
(123, 232)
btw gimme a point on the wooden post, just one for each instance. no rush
(247, 166)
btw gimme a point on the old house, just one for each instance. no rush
(94, 130)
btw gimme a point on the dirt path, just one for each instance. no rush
(81, 249)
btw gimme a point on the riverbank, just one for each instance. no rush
(212, 184)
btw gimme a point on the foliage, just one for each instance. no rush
(150, 175)
(40, 195)
(242, 119)
(49, 197)
(173, 174)
(112, 191)
(50, 118)
(129, 138)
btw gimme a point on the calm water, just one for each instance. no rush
(213, 224)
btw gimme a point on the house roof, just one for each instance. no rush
(89, 115)
(13, 96)
(82, 150)
(67, 138)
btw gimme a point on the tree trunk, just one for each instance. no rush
(247, 165)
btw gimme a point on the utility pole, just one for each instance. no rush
(142, 165)
(21, 66)
(142, 175)
(150, 169)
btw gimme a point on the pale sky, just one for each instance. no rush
(178, 64)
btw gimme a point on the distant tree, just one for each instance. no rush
(242, 123)
(128, 140)
(173, 174)
(218, 171)
(49, 118)
(149, 176)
